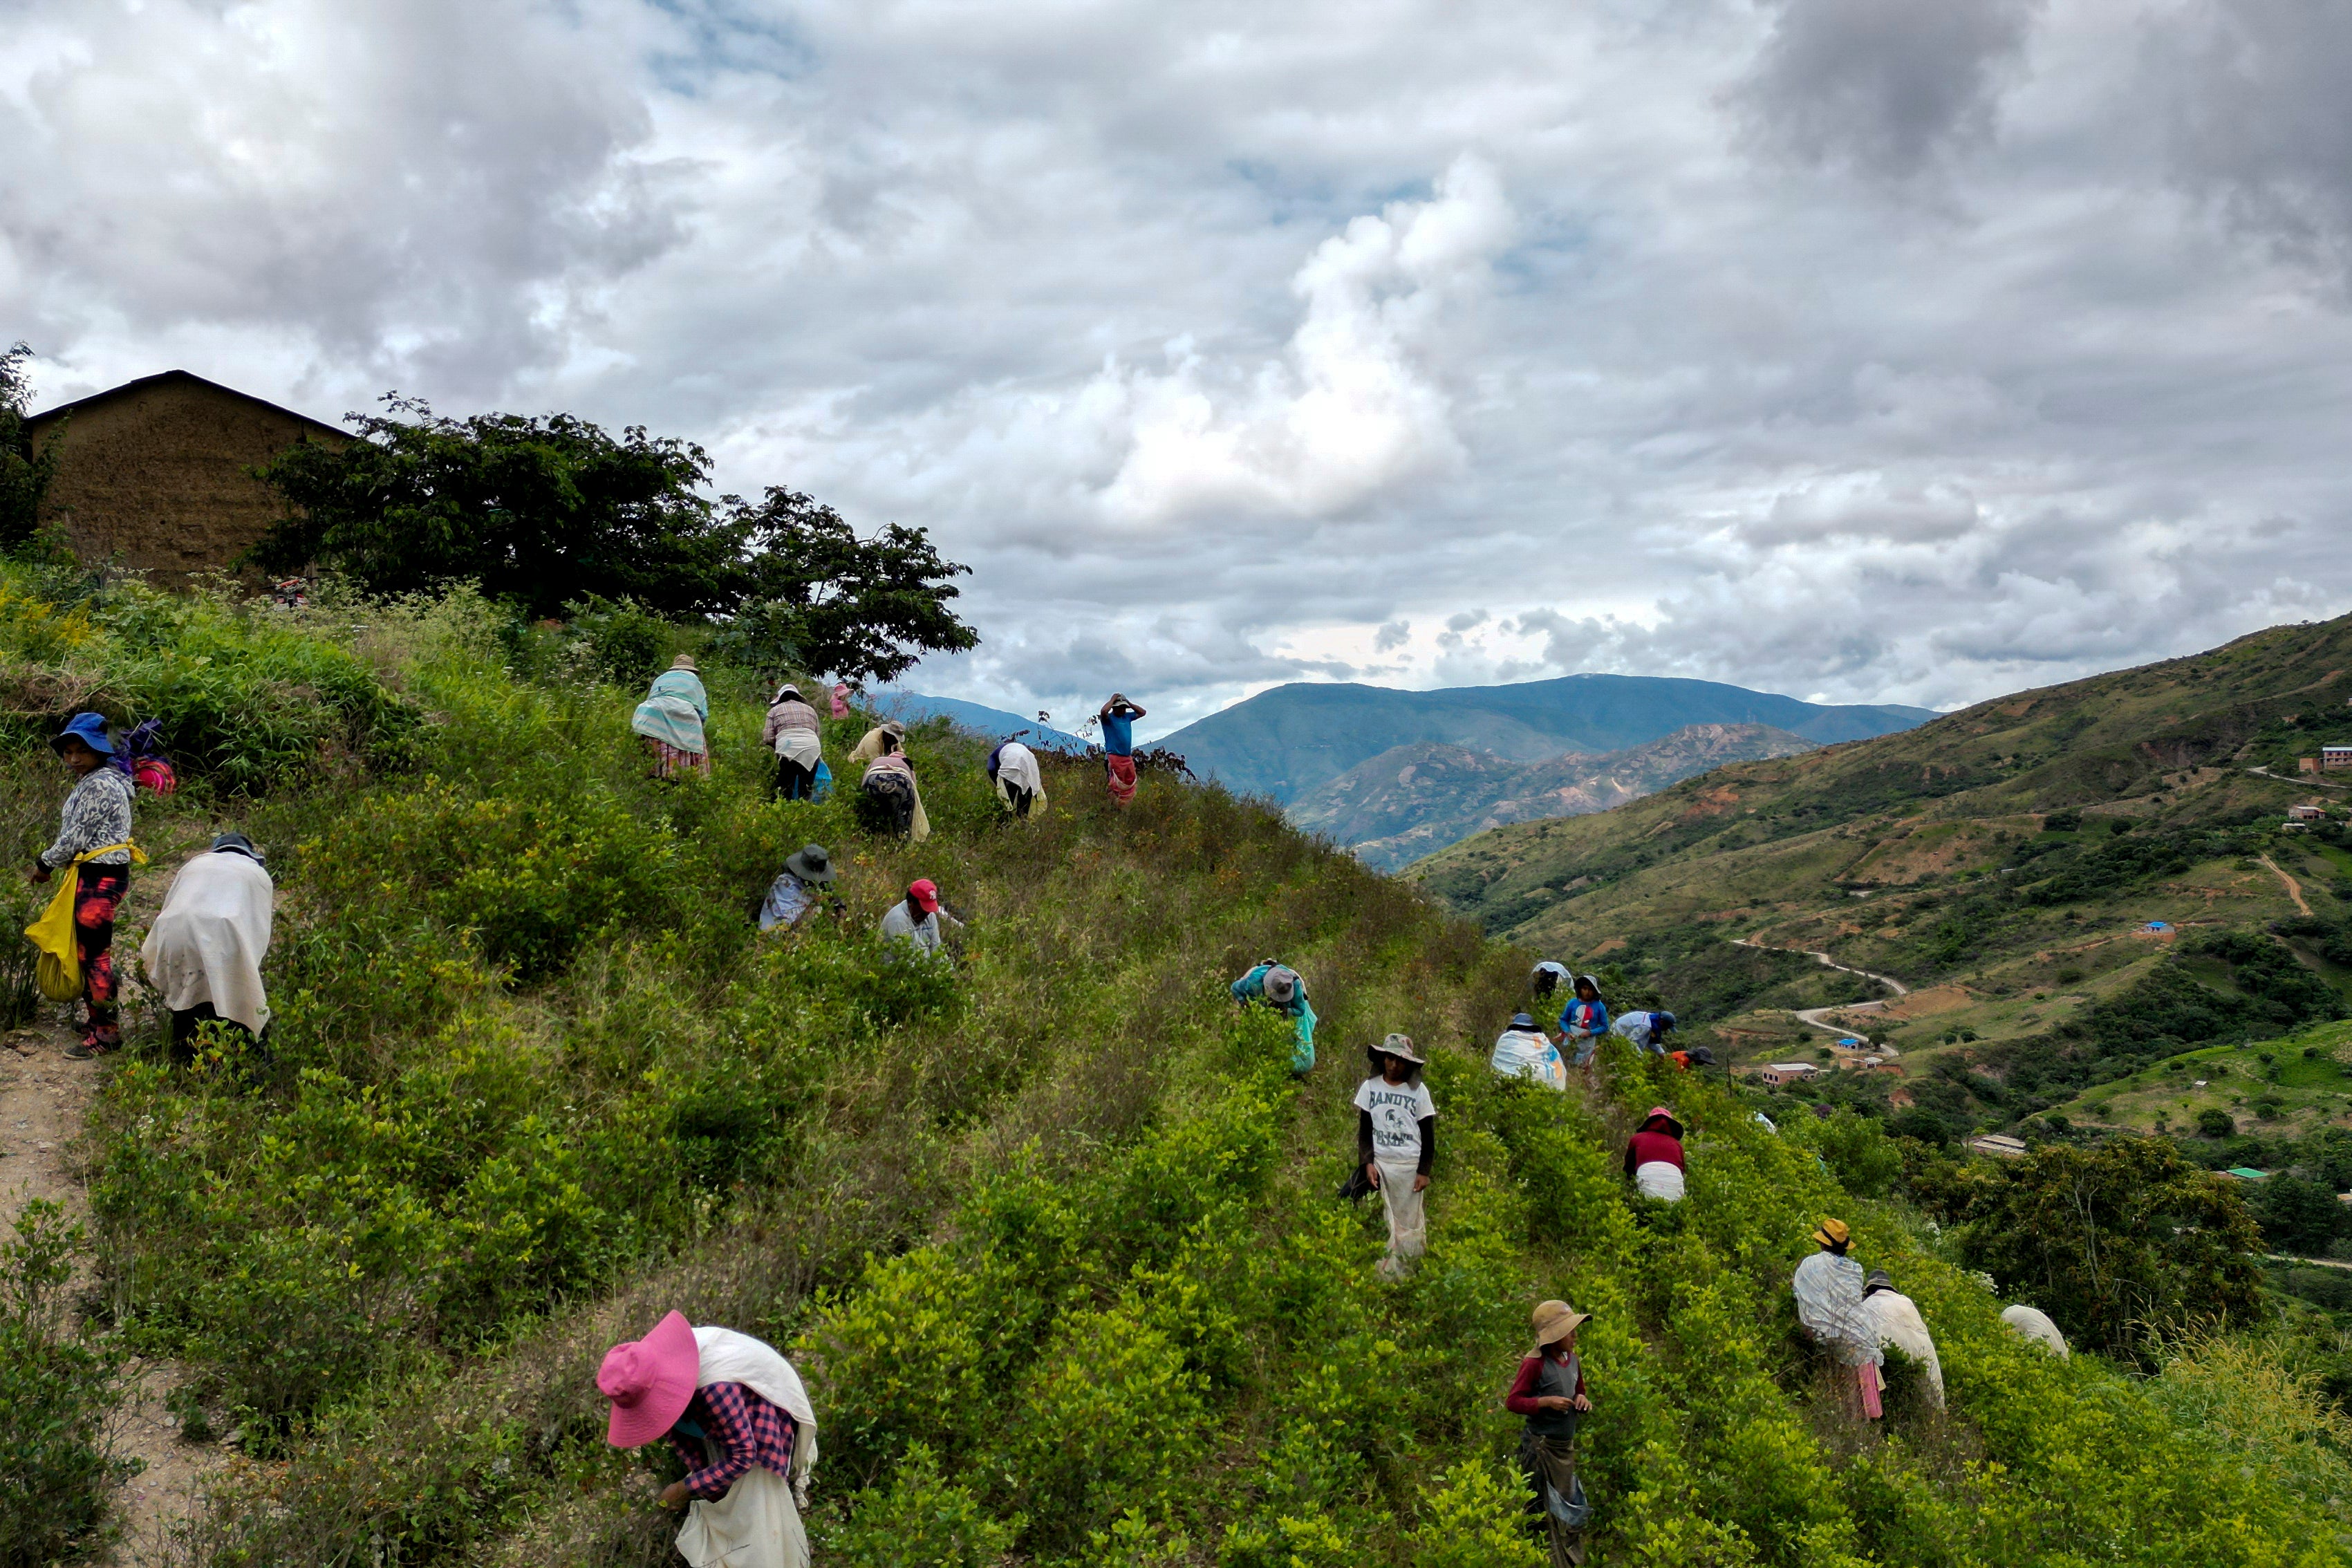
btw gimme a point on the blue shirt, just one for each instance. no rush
(1592, 1018)
(1118, 734)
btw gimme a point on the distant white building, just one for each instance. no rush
(1775, 1074)
(1999, 1144)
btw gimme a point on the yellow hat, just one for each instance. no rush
(1833, 1233)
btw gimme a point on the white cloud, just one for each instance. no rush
(1848, 350)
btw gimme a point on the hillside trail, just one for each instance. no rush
(1818, 1018)
(2294, 888)
(2301, 782)
(45, 1105)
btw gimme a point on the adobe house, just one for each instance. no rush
(154, 472)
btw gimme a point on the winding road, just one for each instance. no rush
(1813, 1018)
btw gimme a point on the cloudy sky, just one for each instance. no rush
(1856, 350)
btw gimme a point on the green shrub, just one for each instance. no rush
(918, 1520)
(1855, 1148)
(59, 1391)
(1475, 1519)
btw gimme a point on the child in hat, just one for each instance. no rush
(1549, 1392)
(737, 1414)
(1396, 1142)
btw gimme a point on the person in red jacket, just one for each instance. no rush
(1549, 1392)
(1654, 1156)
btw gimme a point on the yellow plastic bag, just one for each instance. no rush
(59, 969)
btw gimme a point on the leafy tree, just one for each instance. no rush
(2215, 1122)
(2297, 1216)
(548, 512)
(24, 475)
(537, 511)
(821, 598)
(2114, 1242)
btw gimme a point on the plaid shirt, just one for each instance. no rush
(745, 1429)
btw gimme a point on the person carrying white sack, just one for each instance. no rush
(1013, 768)
(738, 1417)
(1894, 1318)
(204, 952)
(1524, 1051)
(1396, 1143)
(1828, 1287)
(790, 733)
(1654, 1156)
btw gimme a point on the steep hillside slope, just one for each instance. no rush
(1286, 741)
(1051, 1229)
(2004, 862)
(1411, 801)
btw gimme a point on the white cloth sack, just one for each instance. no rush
(1657, 1179)
(208, 944)
(2035, 1325)
(1529, 1053)
(1828, 1303)
(755, 1525)
(730, 1357)
(1408, 1214)
(1017, 766)
(1894, 1320)
(805, 747)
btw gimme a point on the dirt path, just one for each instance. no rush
(45, 1104)
(2294, 888)
(2301, 782)
(1826, 962)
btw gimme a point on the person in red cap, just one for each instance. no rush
(738, 1417)
(919, 921)
(1654, 1156)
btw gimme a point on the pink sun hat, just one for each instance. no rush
(650, 1382)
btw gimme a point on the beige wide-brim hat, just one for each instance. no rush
(685, 661)
(1555, 1321)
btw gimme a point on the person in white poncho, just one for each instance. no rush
(1828, 1287)
(1013, 768)
(738, 1417)
(205, 950)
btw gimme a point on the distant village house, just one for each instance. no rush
(1775, 1074)
(2335, 759)
(2000, 1144)
(154, 473)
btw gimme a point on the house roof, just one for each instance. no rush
(35, 420)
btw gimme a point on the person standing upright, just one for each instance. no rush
(1584, 1020)
(1396, 1142)
(1119, 716)
(94, 841)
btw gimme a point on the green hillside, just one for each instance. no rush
(1288, 741)
(1051, 1233)
(2004, 862)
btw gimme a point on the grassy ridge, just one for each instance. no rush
(1054, 1238)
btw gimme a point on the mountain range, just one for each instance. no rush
(1413, 800)
(1291, 740)
(978, 717)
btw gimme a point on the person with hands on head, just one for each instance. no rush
(1396, 1143)
(1117, 717)
(1549, 1392)
(94, 841)
(738, 1417)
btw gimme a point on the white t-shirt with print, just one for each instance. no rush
(1397, 1110)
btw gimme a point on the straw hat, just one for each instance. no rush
(650, 1382)
(1833, 1233)
(1555, 1321)
(685, 661)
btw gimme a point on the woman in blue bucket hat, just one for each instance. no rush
(94, 840)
